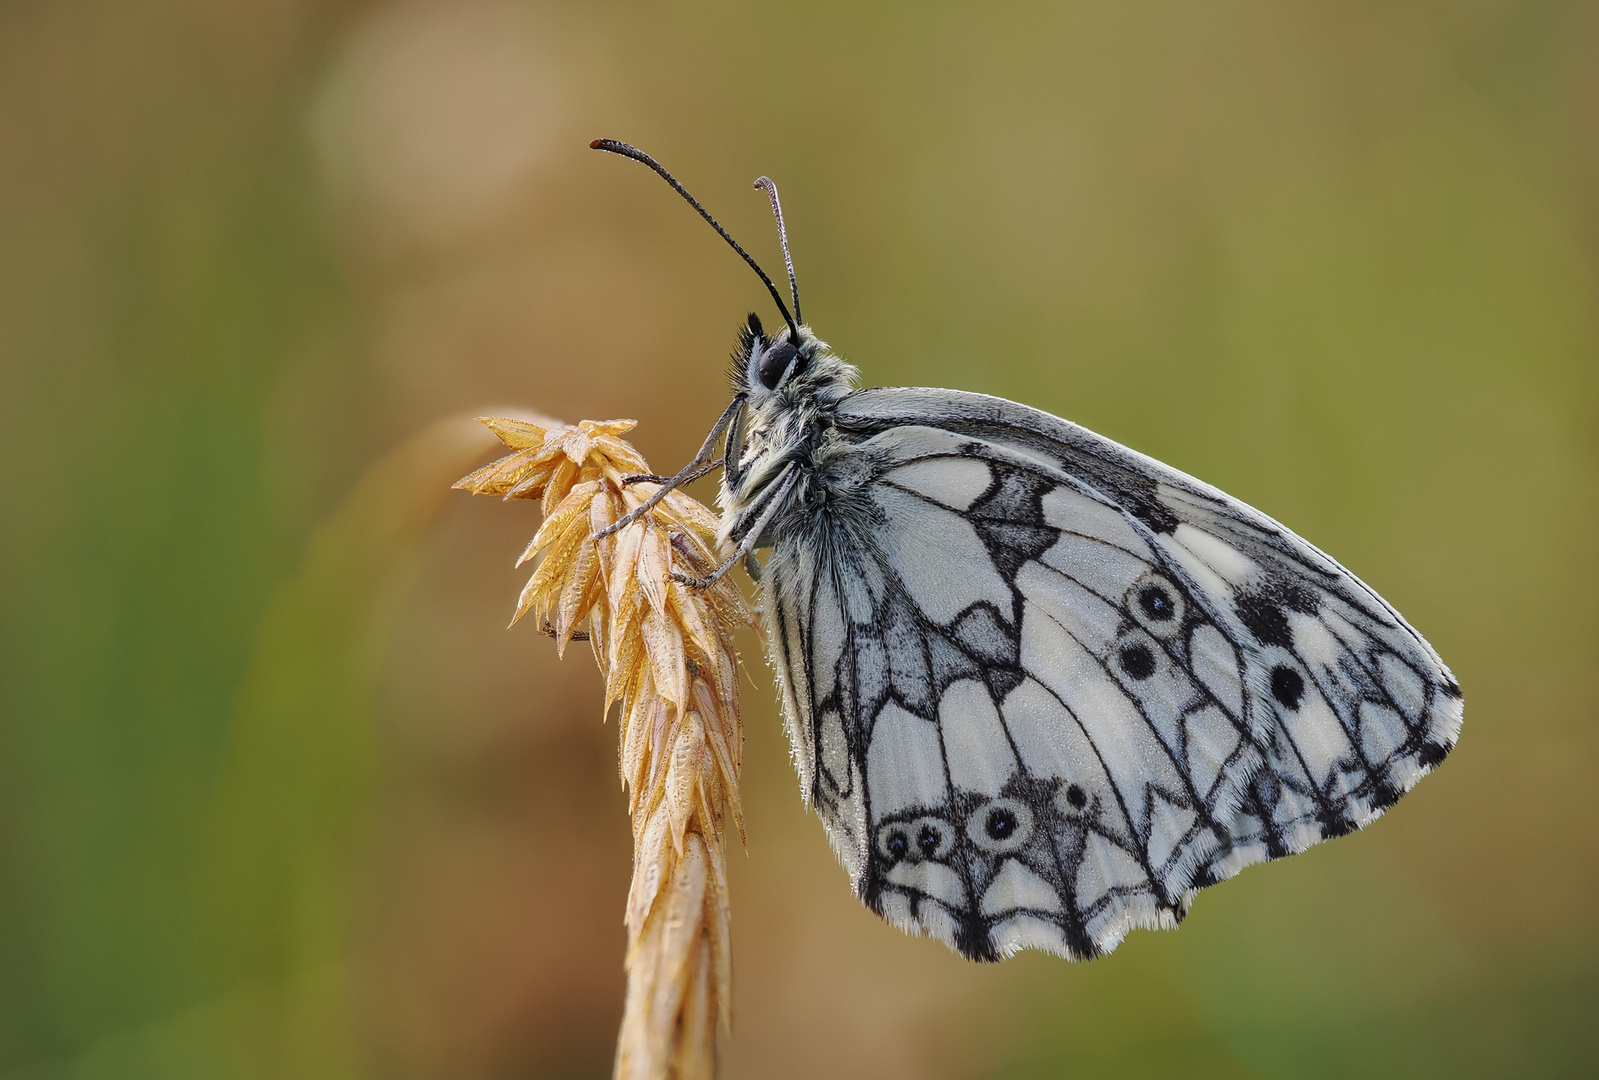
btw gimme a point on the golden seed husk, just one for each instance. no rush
(666, 652)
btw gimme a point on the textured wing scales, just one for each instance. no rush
(1042, 689)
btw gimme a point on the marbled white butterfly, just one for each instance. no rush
(1040, 688)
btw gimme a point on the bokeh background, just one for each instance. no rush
(281, 797)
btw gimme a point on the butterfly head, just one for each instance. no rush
(783, 386)
(781, 367)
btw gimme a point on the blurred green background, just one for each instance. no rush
(280, 797)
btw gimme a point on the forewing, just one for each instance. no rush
(1041, 690)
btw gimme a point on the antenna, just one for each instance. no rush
(765, 184)
(622, 148)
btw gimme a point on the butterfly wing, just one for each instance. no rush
(1041, 688)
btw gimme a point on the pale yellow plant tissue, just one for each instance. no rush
(666, 651)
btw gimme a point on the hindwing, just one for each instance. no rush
(1041, 689)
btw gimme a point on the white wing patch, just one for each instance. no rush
(1042, 689)
(1016, 888)
(951, 482)
(905, 766)
(942, 561)
(979, 753)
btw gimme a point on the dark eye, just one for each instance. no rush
(773, 363)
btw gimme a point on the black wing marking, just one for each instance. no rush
(1034, 712)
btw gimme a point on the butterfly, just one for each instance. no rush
(1041, 688)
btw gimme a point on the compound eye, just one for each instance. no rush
(774, 362)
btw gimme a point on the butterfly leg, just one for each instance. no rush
(656, 478)
(701, 464)
(777, 491)
(752, 565)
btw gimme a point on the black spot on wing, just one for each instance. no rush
(1294, 596)
(1264, 610)
(1287, 686)
(1000, 823)
(1137, 660)
(1155, 601)
(1264, 619)
(897, 844)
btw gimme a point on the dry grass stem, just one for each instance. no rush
(667, 655)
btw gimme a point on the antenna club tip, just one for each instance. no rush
(597, 144)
